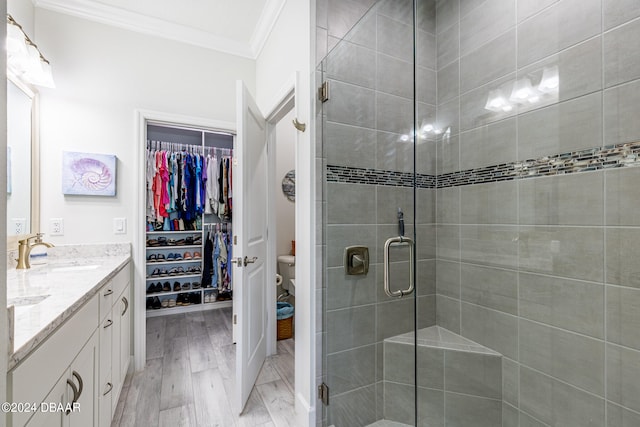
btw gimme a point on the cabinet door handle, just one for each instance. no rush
(109, 323)
(75, 395)
(126, 305)
(108, 391)
(109, 292)
(80, 384)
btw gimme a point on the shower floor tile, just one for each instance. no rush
(387, 423)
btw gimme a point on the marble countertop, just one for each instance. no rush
(46, 295)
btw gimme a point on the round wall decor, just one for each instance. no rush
(289, 185)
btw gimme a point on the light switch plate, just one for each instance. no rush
(119, 225)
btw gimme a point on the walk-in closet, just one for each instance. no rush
(189, 212)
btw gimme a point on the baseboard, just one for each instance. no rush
(305, 414)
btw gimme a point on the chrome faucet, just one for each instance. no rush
(24, 250)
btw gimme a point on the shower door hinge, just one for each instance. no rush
(323, 92)
(323, 394)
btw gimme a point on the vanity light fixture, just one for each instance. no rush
(24, 59)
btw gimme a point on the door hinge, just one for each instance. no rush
(323, 92)
(235, 319)
(323, 394)
(235, 240)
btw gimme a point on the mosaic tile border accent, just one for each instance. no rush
(592, 159)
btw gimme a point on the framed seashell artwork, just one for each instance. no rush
(88, 174)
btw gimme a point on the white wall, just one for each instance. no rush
(4, 327)
(288, 50)
(103, 74)
(285, 161)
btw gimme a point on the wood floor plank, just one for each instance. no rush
(176, 326)
(255, 412)
(176, 389)
(196, 325)
(155, 344)
(181, 416)
(268, 372)
(279, 402)
(142, 405)
(285, 366)
(287, 346)
(201, 354)
(226, 357)
(211, 404)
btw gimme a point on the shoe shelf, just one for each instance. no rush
(164, 311)
(152, 263)
(159, 233)
(183, 291)
(174, 247)
(175, 276)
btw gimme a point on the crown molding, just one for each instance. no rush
(265, 25)
(139, 23)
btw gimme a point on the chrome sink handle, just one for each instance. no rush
(397, 241)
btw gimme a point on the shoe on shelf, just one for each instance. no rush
(152, 288)
(197, 255)
(162, 241)
(187, 255)
(152, 242)
(195, 285)
(164, 303)
(185, 286)
(177, 257)
(160, 258)
(152, 258)
(163, 272)
(171, 257)
(166, 287)
(149, 303)
(155, 273)
(156, 304)
(172, 302)
(176, 286)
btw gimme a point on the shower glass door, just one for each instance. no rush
(376, 165)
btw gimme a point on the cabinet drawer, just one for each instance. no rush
(109, 292)
(33, 379)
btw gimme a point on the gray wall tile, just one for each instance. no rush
(485, 23)
(557, 403)
(351, 63)
(472, 104)
(349, 291)
(425, 153)
(490, 328)
(491, 203)
(426, 315)
(448, 205)
(426, 280)
(346, 199)
(573, 358)
(621, 62)
(623, 316)
(448, 278)
(350, 328)
(490, 287)
(426, 86)
(430, 407)
(394, 318)
(560, 128)
(618, 12)
(347, 145)
(622, 194)
(448, 313)
(623, 376)
(528, 421)
(400, 10)
(399, 402)
(491, 61)
(342, 15)
(493, 144)
(492, 245)
(448, 82)
(448, 117)
(390, 199)
(448, 45)
(425, 205)
(575, 199)
(351, 369)
(425, 241)
(426, 50)
(392, 153)
(562, 25)
(462, 410)
(473, 373)
(427, 16)
(568, 304)
(510, 381)
(402, 71)
(562, 251)
(448, 242)
(448, 158)
(618, 416)
(395, 38)
(579, 71)
(509, 416)
(356, 408)
(447, 14)
(621, 107)
(528, 8)
(394, 114)
(622, 261)
(399, 365)
(352, 105)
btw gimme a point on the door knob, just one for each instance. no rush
(248, 260)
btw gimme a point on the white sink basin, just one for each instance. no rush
(25, 301)
(75, 268)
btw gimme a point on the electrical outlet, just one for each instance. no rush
(56, 227)
(19, 225)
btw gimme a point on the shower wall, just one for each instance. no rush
(538, 202)
(368, 156)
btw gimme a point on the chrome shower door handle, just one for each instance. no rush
(397, 241)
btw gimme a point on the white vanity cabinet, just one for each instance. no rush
(115, 337)
(84, 361)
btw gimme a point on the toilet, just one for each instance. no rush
(287, 269)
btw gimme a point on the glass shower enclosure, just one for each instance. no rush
(481, 215)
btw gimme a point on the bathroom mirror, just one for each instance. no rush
(22, 161)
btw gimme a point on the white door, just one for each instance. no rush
(250, 227)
